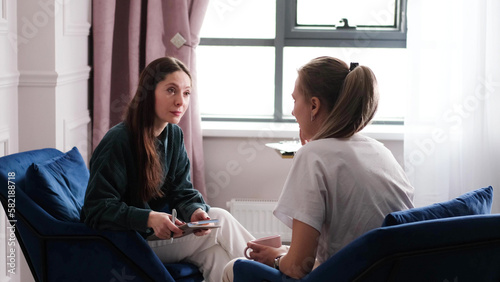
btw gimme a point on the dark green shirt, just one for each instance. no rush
(111, 199)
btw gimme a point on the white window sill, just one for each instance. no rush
(287, 130)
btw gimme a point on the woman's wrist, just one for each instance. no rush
(279, 254)
(150, 219)
(277, 262)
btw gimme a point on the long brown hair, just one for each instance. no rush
(140, 117)
(350, 96)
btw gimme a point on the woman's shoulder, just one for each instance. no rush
(115, 140)
(343, 142)
(117, 134)
(326, 144)
(338, 146)
(174, 128)
(316, 149)
(174, 133)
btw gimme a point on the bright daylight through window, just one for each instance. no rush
(360, 13)
(250, 51)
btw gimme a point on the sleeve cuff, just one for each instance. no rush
(188, 211)
(138, 219)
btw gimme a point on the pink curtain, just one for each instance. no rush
(127, 35)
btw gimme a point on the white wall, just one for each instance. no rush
(43, 88)
(54, 72)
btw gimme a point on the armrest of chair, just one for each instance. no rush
(76, 248)
(134, 247)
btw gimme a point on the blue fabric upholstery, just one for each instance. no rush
(187, 271)
(58, 185)
(471, 203)
(445, 241)
(465, 248)
(70, 251)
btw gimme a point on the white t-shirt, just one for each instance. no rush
(343, 188)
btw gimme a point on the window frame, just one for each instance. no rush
(355, 38)
(287, 35)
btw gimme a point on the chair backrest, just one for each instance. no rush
(17, 164)
(463, 248)
(67, 250)
(13, 183)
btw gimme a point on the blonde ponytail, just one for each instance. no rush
(355, 107)
(350, 95)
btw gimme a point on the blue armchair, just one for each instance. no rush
(63, 250)
(426, 244)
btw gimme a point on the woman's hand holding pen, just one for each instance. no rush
(162, 225)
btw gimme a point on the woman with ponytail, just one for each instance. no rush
(341, 184)
(141, 166)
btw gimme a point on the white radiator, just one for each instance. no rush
(257, 217)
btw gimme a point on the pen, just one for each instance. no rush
(174, 217)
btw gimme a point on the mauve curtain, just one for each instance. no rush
(127, 35)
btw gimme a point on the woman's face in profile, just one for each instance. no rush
(302, 111)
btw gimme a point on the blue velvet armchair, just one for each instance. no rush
(446, 242)
(61, 249)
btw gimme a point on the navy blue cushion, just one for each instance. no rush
(471, 203)
(58, 185)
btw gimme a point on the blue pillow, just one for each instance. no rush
(58, 185)
(471, 203)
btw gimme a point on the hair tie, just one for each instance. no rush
(353, 66)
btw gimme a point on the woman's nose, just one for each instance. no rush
(179, 100)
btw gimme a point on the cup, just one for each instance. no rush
(271, 241)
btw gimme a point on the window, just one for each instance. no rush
(250, 51)
(354, 23)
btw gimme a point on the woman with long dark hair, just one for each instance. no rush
(141, 165)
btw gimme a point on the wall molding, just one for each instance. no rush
(77, 29)
(33, 78)
(3, 9)
(72, 27)
(4, 23)
(4, 140)
(72, 76)
(77, 123)
(9, 80)
(53, 78)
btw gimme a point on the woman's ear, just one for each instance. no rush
(315, 106)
